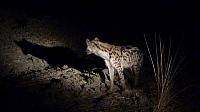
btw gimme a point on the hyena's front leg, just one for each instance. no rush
(121, 76)
(111, 74)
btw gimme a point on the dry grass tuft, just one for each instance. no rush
(165, 66)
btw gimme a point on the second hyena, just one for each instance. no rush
(117, 58)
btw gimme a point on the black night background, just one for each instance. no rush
(44, 67)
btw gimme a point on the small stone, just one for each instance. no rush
(65, 67)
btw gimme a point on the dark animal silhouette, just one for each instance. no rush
(59, 56)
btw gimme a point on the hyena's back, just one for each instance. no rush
(129, 56)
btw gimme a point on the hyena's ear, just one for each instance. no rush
(87, 41)
(96, 38)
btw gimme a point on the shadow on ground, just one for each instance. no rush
(59, 56)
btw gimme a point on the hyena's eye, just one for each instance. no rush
(90, 43)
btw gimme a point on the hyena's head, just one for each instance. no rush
(92, 45)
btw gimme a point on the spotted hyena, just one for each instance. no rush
(117, 58)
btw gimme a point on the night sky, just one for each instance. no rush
(119, 20)
(116, 19)
(143, 15)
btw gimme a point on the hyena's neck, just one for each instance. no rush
(103, 50)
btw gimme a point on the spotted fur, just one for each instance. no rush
(117, 58)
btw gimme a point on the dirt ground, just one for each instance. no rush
(43, 69)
